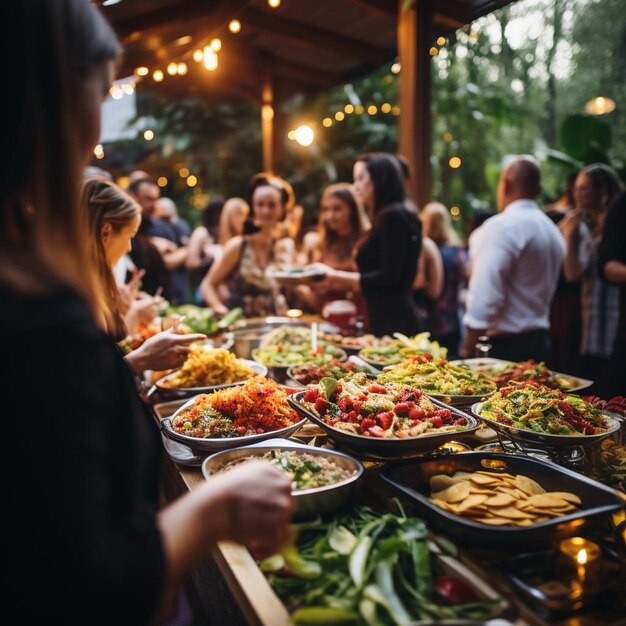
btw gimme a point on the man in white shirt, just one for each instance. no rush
(516, 259)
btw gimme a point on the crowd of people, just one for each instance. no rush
(83, 261)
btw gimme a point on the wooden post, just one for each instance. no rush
(267, 113)
(414, 128)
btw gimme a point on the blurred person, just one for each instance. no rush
(516, 258)
(612, 267)
(167, 210)
(246, 259)
(232, 220)
(113, 220)
(596, 187)
(342, 225)
(164, 236)
(117, 557)
(387, 258)
(438, 227)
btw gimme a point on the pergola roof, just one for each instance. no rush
(309, 45)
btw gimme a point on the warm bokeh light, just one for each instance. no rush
(198, 55)
(172, 69)
(291, 135)
(183, 172)
(395, 68)
(157, 75)
(441, 41)
(267, 112)
(216, 44)
(148, 135)
(123, 181)
(210, 58)
(447, 137)
(128, 88)
(304, 135)
(349, 108)
(433, 51)
(395, 110)
(234, 26)
(386, 108)
(98, 151)
(273, 3)
(372, 109)
(600, 106)
(182, 69)
(142, 71)
(183, 41)
(455, 211)
(359, 109)
(161, 181)
(116, 92)
(327, 122)
(454, 162)
(192, 181)
(340, 116)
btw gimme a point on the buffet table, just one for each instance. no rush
(231, 589)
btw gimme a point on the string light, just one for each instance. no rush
(98, 151)
(157, 76)
(447, 137)
(349, 108)
(182, 69)
(161, 181)
(455, 211)
(234, 26)
(340, 116)
(433, 51)
(148, 135)
(172, 69)
(142, 71)
(359, 109)
(210, 59)
(216, 44)
(441, 41)
(395, 68)
(183, 172)
(454, 162)
(385, 108)
(327, 122)
(291, 135)
(274, 3)
(183, 41)
(192, 181)
(372, 109)
(304, 135)
(198, 55)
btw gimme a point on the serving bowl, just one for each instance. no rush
(202, 445)
(308, 502)
(247, 334)
(385, 449)
(597, 501)
(167, 392)
(546, 439)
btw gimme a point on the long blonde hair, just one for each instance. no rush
(226, 226)
(438, 226)
(43, 238)
(103, 201)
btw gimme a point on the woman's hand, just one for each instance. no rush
(128, 292)
(163, 351)
(257, 506)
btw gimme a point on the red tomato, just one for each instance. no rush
(454, 590)
(311, 395)
(402, 408)
(385, 419)
(366, 424)
(375, 388)
(321, 405)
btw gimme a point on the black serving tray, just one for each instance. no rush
(412, 478)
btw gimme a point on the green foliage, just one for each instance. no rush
(586, 138)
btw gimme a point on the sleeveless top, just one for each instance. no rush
(248, 285)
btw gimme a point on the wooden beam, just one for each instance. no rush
(414, 128)
(214, 13)
(267, 114)
(488, 6)
(382, 7)
(318, 37)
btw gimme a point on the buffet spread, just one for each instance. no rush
(419, 482)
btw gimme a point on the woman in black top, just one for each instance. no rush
(387, 259)
(87, 543)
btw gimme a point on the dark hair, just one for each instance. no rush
(263, 179)
(211, 215)
(387, 177)
(359, 221)
(605, 179)
(135, 184)
(42, 238)
(103, 201)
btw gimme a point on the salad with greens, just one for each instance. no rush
(401, 348)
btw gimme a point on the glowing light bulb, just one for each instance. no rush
(234, 26)
(304, 135)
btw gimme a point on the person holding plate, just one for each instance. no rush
(387, 259)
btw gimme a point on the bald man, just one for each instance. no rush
(516, 258)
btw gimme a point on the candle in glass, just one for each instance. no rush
(580, 552)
